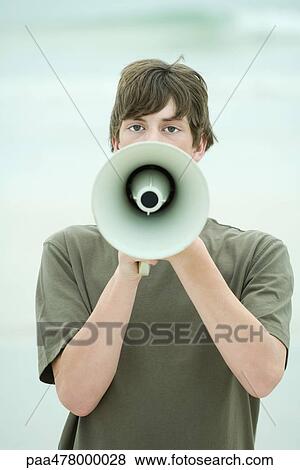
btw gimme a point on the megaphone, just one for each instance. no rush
(143, 207)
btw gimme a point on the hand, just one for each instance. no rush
(186, 251)
(128, 267)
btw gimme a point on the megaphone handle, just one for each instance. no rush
(144, 268)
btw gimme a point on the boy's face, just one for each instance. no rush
(160, 127)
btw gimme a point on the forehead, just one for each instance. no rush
(165, 114)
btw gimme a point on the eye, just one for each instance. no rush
(172, 129)
(135, 126)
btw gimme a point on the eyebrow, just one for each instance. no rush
(137, 118)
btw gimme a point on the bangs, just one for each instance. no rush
(151, 93)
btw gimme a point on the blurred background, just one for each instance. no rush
(49, 160)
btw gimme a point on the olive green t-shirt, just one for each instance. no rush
(170, 391)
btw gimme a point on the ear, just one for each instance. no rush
(115, 144)
(198, 152)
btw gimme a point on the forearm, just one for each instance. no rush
(87, 369)
(249, 350)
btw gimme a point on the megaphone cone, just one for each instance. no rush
(143, 207)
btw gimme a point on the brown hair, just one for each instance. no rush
(146, 86)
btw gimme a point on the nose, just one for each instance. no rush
(153, 135)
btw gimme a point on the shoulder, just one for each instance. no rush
(73, 233)
(239, 252)
(229, 236)
(237, 249)
(75, 237)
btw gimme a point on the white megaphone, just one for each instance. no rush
(143, 207)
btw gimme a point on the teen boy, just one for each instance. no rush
(200, 392)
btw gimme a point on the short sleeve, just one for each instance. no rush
(60, 309)
(268, 289)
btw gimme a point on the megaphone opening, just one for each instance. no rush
(163, 232)
(150, 189)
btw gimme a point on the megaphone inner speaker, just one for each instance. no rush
(149, 199)
(150, 188)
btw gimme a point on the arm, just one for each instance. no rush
(257, 364)
(83, 372)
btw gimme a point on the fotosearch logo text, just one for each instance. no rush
(142, 333)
